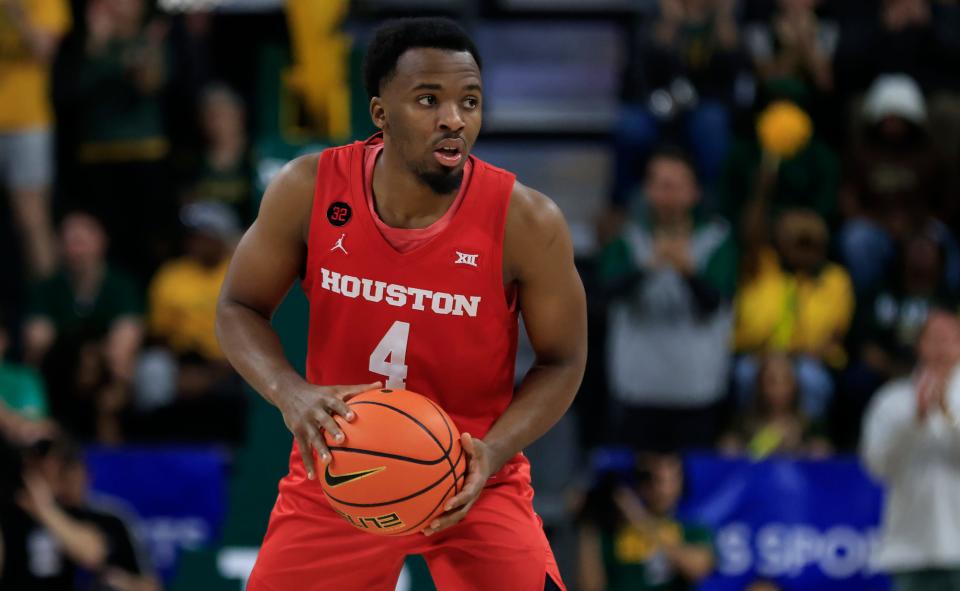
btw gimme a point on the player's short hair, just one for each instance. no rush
(395, 37)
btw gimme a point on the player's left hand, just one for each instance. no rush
(478, 471)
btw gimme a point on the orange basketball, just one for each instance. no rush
(400, 461)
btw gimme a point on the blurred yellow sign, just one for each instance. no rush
(321, 57)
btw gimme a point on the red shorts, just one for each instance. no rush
(499, 545)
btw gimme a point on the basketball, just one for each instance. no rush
(400, 462)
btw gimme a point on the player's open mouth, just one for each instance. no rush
(448, 155)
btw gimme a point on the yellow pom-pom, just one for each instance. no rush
(784, 129)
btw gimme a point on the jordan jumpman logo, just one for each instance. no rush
(339, 244)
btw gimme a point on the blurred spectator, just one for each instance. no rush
(125, 568)
(183, 379)
(678, 87)
(191, 51)
(911, 441)
(183, 294)
(632, 539)
(84, 329)
(224, 172)
(54, 540)
(774, 422)
(919, 38)
(23, 399)
(792, 299)
(784, 165)
(886, 328)
(795, 43)
(915, 37)
(895, 183)
(763, 585)
(115, 93)
(670, 275)
(30, 32)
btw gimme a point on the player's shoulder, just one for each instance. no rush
(532, 213)
(295, 177)
(534, 226)
(308, 169)
(288, 201)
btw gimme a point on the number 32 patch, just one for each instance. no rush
(339, 213)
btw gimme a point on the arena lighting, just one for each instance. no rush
(188, 5)
(175, 6)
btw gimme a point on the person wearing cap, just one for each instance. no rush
(894, 186)
(182, 298)
(182, 377)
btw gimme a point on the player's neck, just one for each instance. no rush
(401, 199)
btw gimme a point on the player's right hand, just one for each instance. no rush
(309, 410)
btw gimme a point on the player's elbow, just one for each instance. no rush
(228, 310)
(225, 317)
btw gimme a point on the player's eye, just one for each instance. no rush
(427, 100)
(471, 102)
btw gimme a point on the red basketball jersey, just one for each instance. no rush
(435, 320)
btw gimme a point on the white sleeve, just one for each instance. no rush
(889, 429)
(951, 438)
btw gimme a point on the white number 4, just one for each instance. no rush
(392, 347)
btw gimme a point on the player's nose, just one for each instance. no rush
(450, 117)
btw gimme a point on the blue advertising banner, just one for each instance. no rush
(808, 525)
(178, 494)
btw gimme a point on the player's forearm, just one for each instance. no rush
(253, 348)
(539, 402)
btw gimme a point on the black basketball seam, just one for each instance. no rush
(408, 530)
(406, 498)
(446, 453)
(445, 422)
(383, 454)
(456, 487)
(406, 414)
(430, 513)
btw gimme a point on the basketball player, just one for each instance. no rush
(416, 258)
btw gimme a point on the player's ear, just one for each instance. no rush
(377, 113)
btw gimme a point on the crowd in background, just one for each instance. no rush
(126, 211)
(782, 234)
(782, 229)
(126, 169)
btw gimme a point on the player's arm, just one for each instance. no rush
(553, 305)
(266, 263)
(538, 253)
